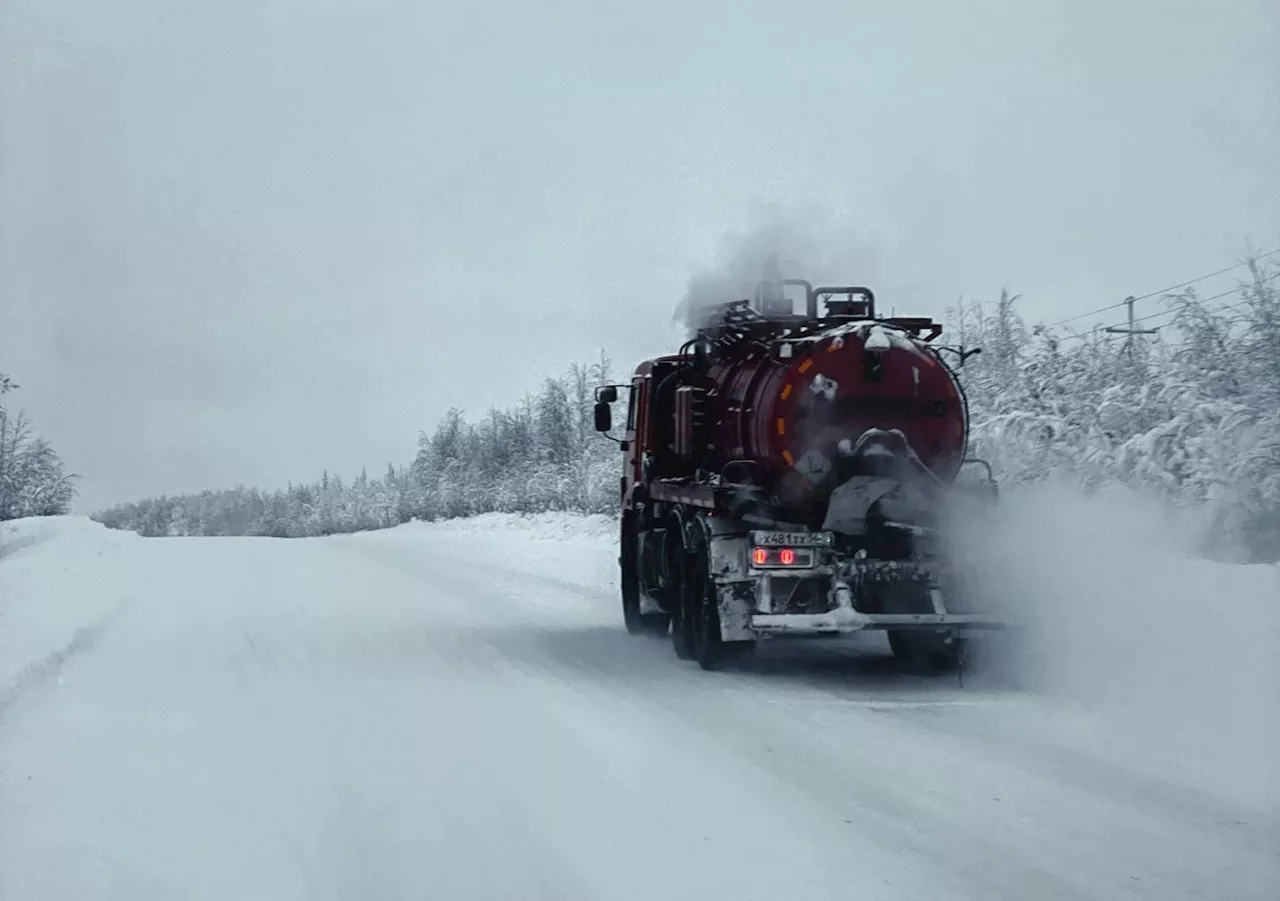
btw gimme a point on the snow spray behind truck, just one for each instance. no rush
(785, 473)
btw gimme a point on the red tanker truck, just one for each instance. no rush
(785, 473)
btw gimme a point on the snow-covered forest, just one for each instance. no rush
(33, 480)
(1191, 415)
(543, 454)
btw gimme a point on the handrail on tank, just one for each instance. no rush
(850, 290)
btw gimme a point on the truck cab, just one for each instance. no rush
(644, 441)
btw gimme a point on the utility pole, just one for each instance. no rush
(1129, 331)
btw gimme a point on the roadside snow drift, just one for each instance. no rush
(453, 710)
(62, 580)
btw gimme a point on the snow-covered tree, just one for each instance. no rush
(33, 480)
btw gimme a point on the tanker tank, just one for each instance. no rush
(799, 405)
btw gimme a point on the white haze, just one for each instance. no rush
(1121, 620)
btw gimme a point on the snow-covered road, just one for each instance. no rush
(454, 712)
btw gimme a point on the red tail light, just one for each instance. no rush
(778, 558)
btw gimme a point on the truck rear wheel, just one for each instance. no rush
(682, 625)
(709, 647)
(637, 623)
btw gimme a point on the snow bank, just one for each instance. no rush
(61, 579)
(554, 526)
(577, 549)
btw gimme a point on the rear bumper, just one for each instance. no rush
(846, 620)
(758, 602)
(931, 611)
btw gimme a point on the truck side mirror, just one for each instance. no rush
(606, 394)
(604, 417)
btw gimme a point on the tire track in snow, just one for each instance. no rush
(48, 669)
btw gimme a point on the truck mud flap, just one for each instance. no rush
(737, 607)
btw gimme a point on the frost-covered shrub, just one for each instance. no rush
(1192, 417)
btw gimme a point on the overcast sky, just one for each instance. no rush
(247, 240)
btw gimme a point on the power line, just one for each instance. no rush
(1164, 313)
(1203, 277)
(1189, 282)
(1114, 306)
(1218, 296)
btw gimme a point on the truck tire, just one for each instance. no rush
(637, 623)
(708, 647)
(682, 623)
